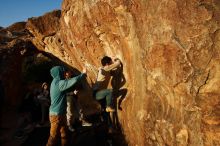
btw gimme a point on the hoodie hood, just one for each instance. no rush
(57, 72)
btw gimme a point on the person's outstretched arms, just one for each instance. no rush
(66, 84)
(116, 63)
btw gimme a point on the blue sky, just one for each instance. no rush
(12, 11)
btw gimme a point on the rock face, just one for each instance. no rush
(45, 30)
(15, 43)
(170, 55)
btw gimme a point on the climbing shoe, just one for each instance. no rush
(86, 124)
(71, 128)
(109, 109)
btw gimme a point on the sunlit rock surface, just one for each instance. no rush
(45, 30)
(171, 62)
(170, 53)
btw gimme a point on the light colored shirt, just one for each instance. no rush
(104, 76)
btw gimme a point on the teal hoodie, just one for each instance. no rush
(57, 90)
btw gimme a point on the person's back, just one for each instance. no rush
(58, 104)
(58, 101)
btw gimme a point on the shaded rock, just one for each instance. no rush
(15, 45)
(10, 67)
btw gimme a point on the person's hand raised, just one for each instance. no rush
(75, 92)
(84, 70)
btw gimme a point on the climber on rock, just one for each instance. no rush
(58, 104)
(101, 88)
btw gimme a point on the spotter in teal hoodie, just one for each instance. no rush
(57, 90)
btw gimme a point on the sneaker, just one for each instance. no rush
(109, 109)
(86, 124)
(71, 128)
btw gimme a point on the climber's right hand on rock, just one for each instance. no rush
(84, 70)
